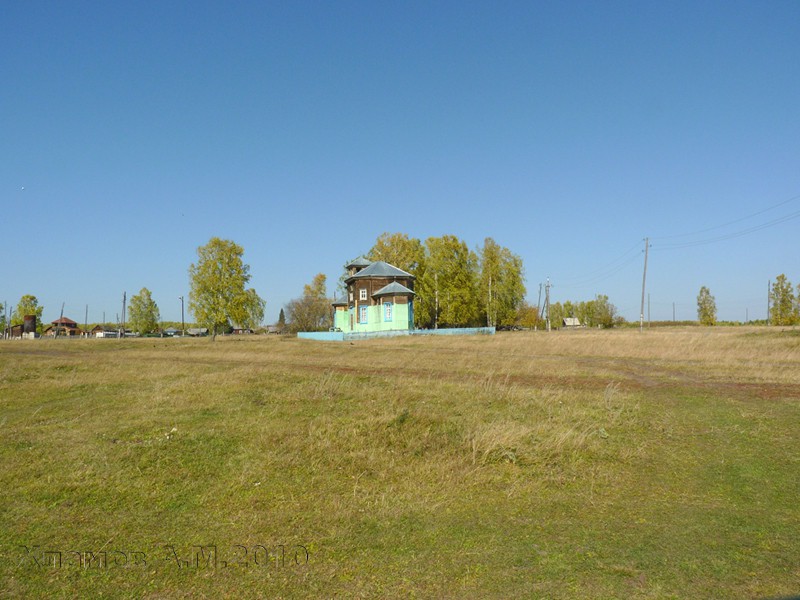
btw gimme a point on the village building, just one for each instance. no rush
(63, 326)
(379, 297)
(24, 330)
(101, 331)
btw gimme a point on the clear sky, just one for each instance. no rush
(132, 133)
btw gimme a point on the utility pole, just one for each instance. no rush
(58, 325)
(648, 309)
(538, 309)
(644, 279)
(436, 311)
(769, 285)
(547, 301)
(124, 301)
(489, 304)
(183, 324)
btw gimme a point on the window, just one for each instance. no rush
(351, 297)
(362, 294)
(362, 314)
(387, 311)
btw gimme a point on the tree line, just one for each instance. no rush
(599, 312)
(455, 286)
(219, 297)
(784, 304)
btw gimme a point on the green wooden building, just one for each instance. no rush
(379, 297)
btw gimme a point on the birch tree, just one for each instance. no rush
(706, 307)
(783, 310)
(217, 294)
(501, 287)
(143, 314)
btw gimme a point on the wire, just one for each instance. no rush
(601, 276)
(729, 236)
(739, 220)
(604, 272)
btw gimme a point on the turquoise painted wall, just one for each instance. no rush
(341, 320)
(402, 318)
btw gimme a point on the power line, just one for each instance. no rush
(730, 236)
(606, 271)
(739, 220)
(602, 276)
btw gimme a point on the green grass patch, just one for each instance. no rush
(599, 464)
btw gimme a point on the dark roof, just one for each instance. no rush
(64, 321)
(380, 269)
(339, 302)
(359, 262)
(393, 289)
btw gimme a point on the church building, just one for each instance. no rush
(379, 297)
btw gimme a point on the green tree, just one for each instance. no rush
(555, 312)
(783, 310)
(585, 313)
(527, 316)
(254, 306)
(399, 250)
(281, 321)
(501, 286)
(28, 305)
(312, 311)
(217, 294)
(143, 314)
(3, 324)
(446, 284)
(706, 307)
(604, 313)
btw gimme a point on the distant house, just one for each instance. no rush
(239, 330)
(63, 326)
(100, 331)
(171, 331)
(379, 297)
(571, 322)
(197, 331)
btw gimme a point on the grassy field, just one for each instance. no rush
(585, 464)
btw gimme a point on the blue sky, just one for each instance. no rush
(134, 132)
